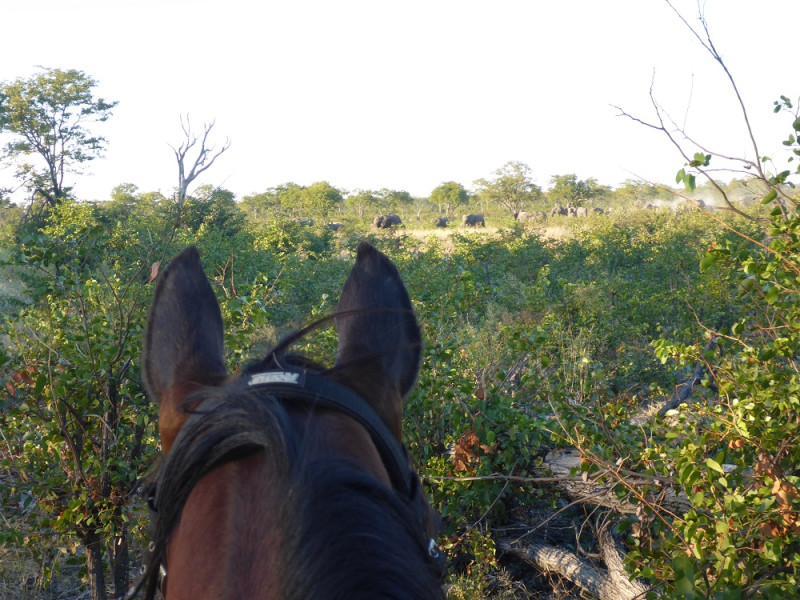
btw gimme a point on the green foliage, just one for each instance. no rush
(77, 422)
(213, 209)
(734, 451)
(639, 193)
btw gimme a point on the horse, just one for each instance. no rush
(286, 480)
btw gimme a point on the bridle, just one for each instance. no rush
(315, 390)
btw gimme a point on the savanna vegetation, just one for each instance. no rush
(607, 405)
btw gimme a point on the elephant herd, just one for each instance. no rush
(472, 220)
(575, 211)
(387, 221)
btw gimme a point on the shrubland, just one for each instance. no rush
(532, 343)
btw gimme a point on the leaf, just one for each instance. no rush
(708, 261)
(683, 567)
(712, 464)
(772, 295)
(154, 271)
(680, 176)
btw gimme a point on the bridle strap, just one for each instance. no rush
(318, 390)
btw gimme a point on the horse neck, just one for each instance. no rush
(227, 542)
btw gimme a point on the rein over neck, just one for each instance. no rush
(320, 391)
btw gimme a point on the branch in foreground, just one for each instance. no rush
(562, 462)
(683, 391)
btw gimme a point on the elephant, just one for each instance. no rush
(581, 211)
(599, 211)
(572, 211)
(441, 221)
(472, 220)
(386, 221)
(558, 210)
(335, 226)
(537, 215)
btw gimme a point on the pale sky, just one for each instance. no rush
(406, 95)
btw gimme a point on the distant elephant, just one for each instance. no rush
(335, 226)
(386, 221)
(441, 221)
(472, 220)
(581, 211)
(598, 210)
(536, 215)
(558, 210)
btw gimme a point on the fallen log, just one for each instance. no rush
(609, 583)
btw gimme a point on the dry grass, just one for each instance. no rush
(21, 579)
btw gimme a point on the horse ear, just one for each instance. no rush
(184, 340)
(379, 338)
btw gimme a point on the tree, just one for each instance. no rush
(258, 207)
(48, 117)
(214, 208)
(395, 200)
(632, 192)
(512, 187)
(361, 201)
(123, 201)
(322, 198)
(449, 195)
(206, 155)
(568, 189)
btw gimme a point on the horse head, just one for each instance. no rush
(233, 520)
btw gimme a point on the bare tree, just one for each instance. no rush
(698, 158)
(206, 155)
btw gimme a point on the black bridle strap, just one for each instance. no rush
(321, 391)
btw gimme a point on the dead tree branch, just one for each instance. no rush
(683, 391)
(611, 583)
(206, 156)
(755, 166)
(591, 490)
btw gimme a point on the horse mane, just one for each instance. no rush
(353, 537)
(345, 534)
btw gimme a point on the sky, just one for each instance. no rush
(372, 94)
